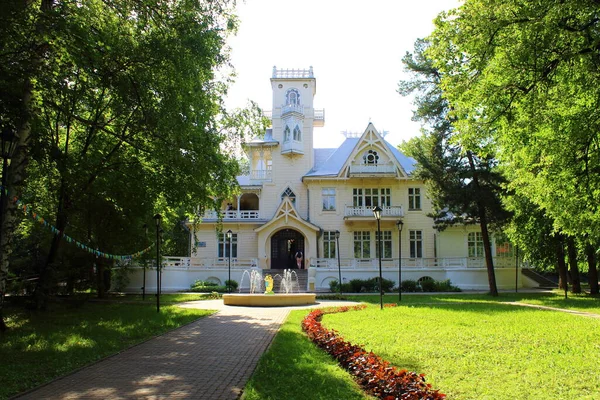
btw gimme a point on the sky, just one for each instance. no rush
(355, 48)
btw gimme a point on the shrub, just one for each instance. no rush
(334, 287)
(208, 287)
(369, 285)
(233, 284)
(428, 285)
(410, 286)
(372, 373)
(446, 286)
(201, 283)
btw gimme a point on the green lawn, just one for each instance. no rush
(469, 347)
(42, 346)
(477, 348)
(294, 368)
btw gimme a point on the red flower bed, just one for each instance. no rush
(375, 375)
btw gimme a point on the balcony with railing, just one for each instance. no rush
(283, 73)
(231, 215)
(292, 108)
(358, 212)
(319, 118)
(373, 169)
(261, 175)
(292, 147)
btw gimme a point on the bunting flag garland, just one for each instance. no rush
(27, 210)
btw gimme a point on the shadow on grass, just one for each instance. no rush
(294, 368)
(44, 345)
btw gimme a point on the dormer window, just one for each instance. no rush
(290, 194)
(371, 157)
(297, 134)
(286, 134)
(292, 97)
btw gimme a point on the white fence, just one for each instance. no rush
(417, 263)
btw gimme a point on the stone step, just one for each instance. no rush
(299, 279)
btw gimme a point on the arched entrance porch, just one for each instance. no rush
(284, 246)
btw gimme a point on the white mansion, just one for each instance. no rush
(296, 198)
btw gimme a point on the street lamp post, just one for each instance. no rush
(400, 225)
(144, 271)
(337, 250)
(157, 219)
(377, 214)
(9, 144)
(229, 234)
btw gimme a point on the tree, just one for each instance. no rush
(527, 76)
(463, 180)
(117, 110)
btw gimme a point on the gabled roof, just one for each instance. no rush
(287, 211)
(334, 165)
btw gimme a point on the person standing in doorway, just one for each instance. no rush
(299, 260)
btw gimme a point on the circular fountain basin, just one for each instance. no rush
(269, 300)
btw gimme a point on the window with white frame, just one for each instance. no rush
(225, 247)
(287, 134)
(475, 244)
(371, 197)
(386, 243)
(362, 244)
(297, 134)
(416, 243)
(328, 196)
(414, 198)
(329, 244)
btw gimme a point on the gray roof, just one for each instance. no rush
(336, 160)
(267, 139)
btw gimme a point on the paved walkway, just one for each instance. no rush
(211, 358)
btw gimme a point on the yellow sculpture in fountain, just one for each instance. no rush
(268, 284)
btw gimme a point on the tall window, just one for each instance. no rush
(292, 97)
(329, 245)
(286, 134)
(416, 243)
(224, 245)
(328, 196)
(289, 193)
(297, 134)
(362, 244)
(475, 244)
(386, 243)
(414, 198)
(371, 197)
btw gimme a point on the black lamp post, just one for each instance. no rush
(144, 272)
(337, 250)
(400, 225)
(229, 234)
(157, 219)
(9, 144)
(377, 214)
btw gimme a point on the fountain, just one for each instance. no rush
(256, 297)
